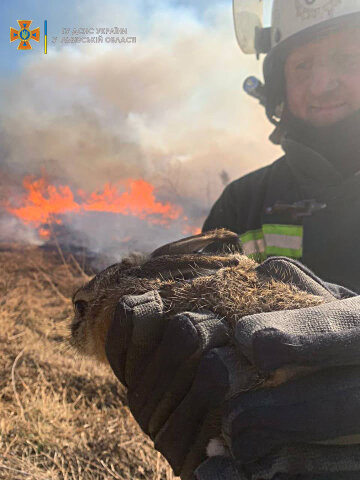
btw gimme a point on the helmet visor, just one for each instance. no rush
(247, 16)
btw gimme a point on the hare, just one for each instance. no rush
(226, 283)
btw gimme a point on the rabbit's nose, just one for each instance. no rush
(80, 307)
(75, 327)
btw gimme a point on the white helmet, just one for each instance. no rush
(290, 17)
(292, 22)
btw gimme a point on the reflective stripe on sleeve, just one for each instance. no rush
(253, 242)
(283, 240)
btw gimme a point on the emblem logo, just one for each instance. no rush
(24, 34)
(314, 9)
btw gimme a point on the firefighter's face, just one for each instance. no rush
(323, 78)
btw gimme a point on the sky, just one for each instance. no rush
(168, 109)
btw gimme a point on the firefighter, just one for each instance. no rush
(304, 205)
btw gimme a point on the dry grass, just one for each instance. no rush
(61, 417)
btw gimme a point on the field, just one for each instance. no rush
(61, 417)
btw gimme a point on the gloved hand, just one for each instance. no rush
(179, 372)
(309, 427)
(175, 378)
(316, 336)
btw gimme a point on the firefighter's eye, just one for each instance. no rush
(348, 60)
(302, 66)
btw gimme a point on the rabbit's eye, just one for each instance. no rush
(80, 307)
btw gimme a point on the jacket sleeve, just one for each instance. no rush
(240, 205)
(223, 214)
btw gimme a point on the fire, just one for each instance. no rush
(138, 201)
(44, 233)
(191, 230)
(44, 203)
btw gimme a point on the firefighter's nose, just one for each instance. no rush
(323, 80)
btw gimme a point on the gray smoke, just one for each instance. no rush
(168, 109)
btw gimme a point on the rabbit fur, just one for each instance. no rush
(225, 283)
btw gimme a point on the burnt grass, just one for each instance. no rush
(61, 417)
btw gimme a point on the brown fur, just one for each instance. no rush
(226, 284)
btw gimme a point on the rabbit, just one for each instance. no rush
(225, 282)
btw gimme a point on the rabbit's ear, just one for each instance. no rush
(221, 239)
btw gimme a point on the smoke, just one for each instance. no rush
(168, 109)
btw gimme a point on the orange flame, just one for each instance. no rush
(139, 201)
(191, 230)
(44, 203)
(43, 232)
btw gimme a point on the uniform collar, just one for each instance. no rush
(338, 144)
(312, 169)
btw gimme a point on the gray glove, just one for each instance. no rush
(179, 372)
(175, 380)
(308, 428)
(327, 335)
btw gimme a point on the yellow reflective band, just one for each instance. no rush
(283, 240)
(253, 242)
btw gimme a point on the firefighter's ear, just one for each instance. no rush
(223, 239)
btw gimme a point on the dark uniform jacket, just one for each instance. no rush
(299, 207)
